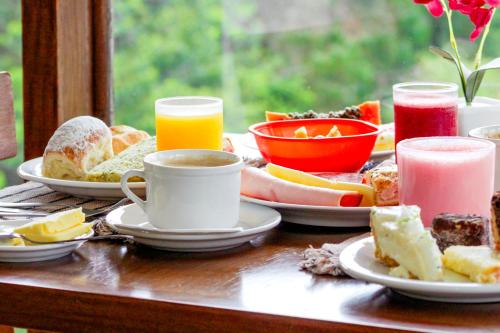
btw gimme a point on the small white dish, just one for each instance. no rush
(321, 216)
(358, 261)
(32, 170)
(36, 252)
(254, 221)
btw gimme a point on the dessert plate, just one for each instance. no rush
(248, 140)
(9, 253)
(320, 216)
(32, 170)
(254, 221)
(357, 260)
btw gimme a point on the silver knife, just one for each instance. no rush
(25, 204)
(26, 213)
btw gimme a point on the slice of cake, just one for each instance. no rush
(480, 263)
(401, 240)
(131, 158)
(56, 227)
(384, 180)
(459, 229)
(495, 222)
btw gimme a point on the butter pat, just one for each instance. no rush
(12, 242)
(56, 227)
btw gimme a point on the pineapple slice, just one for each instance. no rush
(334, 132)
(301, 133)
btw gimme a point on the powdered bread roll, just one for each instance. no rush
(124, 136)
(76, 147)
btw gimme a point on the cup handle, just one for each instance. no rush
(128, 192)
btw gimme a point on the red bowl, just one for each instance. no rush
(347, 153)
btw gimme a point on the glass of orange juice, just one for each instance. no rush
(191, 122)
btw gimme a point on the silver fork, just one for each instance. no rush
(94, 238)
(94, 212)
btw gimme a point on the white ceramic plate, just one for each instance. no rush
(32, 170)
(248, 140)
(254, 220)
(320, 216)
(36, 252)
(358, 261)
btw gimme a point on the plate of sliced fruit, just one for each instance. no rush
(329, 200)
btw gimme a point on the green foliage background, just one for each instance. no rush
(227, 49)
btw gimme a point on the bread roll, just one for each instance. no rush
(124, 136)
(76, 147)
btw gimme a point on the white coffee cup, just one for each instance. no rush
(489, 133)
(189, 197)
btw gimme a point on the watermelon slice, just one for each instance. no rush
(370, 111)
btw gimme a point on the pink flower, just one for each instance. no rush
(466, 6)
(493, 3)
(480, 17)
(434, 6)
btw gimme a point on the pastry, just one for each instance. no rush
(458, 229)
(401, 240)
(124, 136)
(495, 222)
(56, 227)
(384, 180)
(479, 263)
(76, 147)
(131, 158)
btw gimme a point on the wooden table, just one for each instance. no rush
(254, 288)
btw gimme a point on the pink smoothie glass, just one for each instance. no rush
(446, 175)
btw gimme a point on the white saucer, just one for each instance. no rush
(32, 170)
(358, 261)
(36, 252)
(254, 220)
(320, 216)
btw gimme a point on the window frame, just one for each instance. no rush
(67, 66)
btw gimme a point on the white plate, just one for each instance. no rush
(254, 220)
(36, 252)
(248, 140)
(320, 216)
(358, 261)
(32, 170)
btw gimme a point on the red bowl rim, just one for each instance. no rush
(254, 129)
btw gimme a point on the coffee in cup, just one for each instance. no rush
(189, 189)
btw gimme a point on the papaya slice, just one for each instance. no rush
(275, 116)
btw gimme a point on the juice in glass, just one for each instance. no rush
(446, 175)
(425, 109)
(189, 123)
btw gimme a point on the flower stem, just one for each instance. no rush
(454, 46)
(479, 54)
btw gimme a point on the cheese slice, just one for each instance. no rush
(304, 178)
(400, 239)
(479, 263)
(56, 227)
